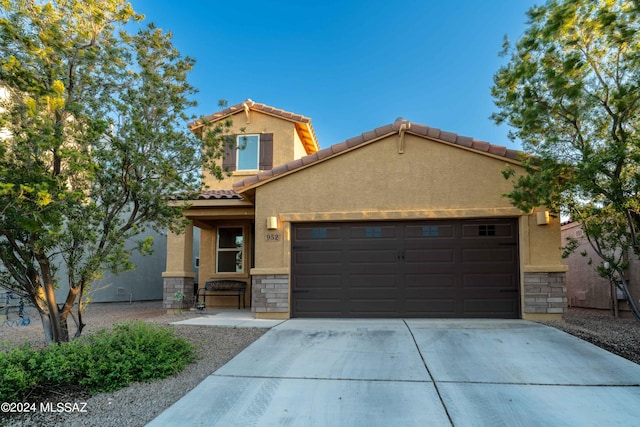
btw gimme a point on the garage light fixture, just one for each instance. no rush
(272, 223)
(542, 217)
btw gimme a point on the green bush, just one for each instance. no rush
(134, 351)
(16, 377)
(102, 361)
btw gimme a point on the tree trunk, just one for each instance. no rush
(46, 327)
(630, 300)
(614, 297)
(58, 333)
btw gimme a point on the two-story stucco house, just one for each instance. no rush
(402, 221)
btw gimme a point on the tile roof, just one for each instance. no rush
(302, 123)
(215, 195)
(378, 133)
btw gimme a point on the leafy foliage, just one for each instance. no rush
(95, 145)
(571, 91)
(103, 361)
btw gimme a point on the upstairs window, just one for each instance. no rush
(248, 151)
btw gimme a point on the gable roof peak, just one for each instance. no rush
(302, 124)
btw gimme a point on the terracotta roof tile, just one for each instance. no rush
(312, 158)
(265, 175)
(342, 146)
(480, 145)
(383, 130)
(249, 181)
(294, 164)
(498, 150)
(419, 129)
(514, 155)
(218, 195)
(279, 170)
(367, 136)
(356, 140)
(463, 140)
(413, 128)
(433, 133)
(323, 154)
(449, 137)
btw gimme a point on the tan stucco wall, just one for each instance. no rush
(430, 180)
(180, 254)
(207, 269)
(285, 143)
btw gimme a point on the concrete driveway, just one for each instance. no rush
(414, 373)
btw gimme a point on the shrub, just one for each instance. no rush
(16, 377)
(103, 361)
(133, 351)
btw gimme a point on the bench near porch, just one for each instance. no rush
(223, 288)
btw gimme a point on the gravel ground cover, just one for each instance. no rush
(620, 336)
(139, 403)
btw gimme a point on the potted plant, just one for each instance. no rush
(178, 297)
(200, 306)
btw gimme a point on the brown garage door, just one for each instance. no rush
(454, 269)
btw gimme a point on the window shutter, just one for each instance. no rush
(266, 151)
(229, 156)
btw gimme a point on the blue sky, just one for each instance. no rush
(350, 66)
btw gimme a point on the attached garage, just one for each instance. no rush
(445, 269)
(403, 221)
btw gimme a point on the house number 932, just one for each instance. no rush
(273, 237)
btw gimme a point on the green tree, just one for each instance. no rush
(94, 146)
(571, 92)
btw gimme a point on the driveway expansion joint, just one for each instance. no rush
(433, 380)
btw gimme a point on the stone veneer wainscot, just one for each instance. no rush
(270, 293)
(545, 292)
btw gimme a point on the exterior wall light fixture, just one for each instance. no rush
(542, 217)
(272, 223)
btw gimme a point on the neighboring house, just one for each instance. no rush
(585, 287)
(139, 284)
(401, 221)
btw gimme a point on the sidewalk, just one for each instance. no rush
(230, 317)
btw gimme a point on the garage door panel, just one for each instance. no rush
(434, 307)
(443, 268)
(371, 281)
(304, 233)
(373, 307)
(372, 256)
(490, 307)
(444, 280)
(480, 229)
(318, 281)
(445, 255)
(488, 281)
(372, 232)
(319, 307)
(488, 255)
(318, 257)
(434, 231)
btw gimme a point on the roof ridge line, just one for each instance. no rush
(377, 133)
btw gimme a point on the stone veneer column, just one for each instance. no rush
(171, 285)
(179, 275)
(270, 293)
(545, 293)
